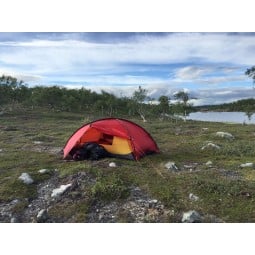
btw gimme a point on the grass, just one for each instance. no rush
(222, 189)
(110, 187)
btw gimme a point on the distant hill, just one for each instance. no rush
(244, 105)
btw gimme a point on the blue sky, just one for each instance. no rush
(209, 66)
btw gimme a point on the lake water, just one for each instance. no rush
(233, 117)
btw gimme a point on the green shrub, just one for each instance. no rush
(110, 188)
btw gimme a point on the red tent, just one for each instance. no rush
(118, 136)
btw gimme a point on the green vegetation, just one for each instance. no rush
(16, 94)
(110, 187)
(250, 72)
(35, 124)
(222, 188)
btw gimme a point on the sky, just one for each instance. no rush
(209, 66)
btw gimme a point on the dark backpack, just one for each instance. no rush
(95, 151)
(90, 150)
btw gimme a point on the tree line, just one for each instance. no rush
(56, 98)
(244, 105)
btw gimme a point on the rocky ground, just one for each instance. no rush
(64, 194)
(138, 207)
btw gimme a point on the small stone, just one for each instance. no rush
(37, 142)
(14, 220)
(59, 191)
(171, 166)
(208, 163)
(26, 178)
(191, 217)
(152, 203)
(101, 216)
(43, 171)
(42, 216)
(193, 197)
(210, 145)
(112, 164)
(246, 165)
(225, 135)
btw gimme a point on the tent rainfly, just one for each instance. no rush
(119, 137)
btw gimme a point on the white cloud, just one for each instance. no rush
(191, 72)
(23, 77)
(209, 74)
(221, 95)
(174, 48)
(205, 59)
(222, 79)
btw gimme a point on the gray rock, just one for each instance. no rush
(14, 220)
(191, 217)
(225, 135)
(191, 166)
(193, 197)
(171, 166)
(43, 171)
(42, 216)
(208, 163)
(210, 145)
(37, 142)
(112, 164)
(59, 191)
(247, 165)
(26, 178)
(152, 203)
